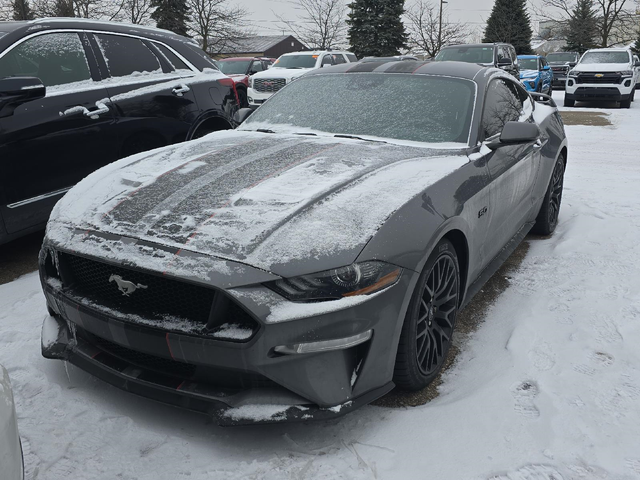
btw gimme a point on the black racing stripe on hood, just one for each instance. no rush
(203, 202)
(136, 206)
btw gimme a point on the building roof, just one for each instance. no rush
(255, 44)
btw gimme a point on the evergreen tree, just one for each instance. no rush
(636, 46)
(22, 10)
(582, 27)
(376, 28)
(509, 22)
(172, 15)
(64, 8)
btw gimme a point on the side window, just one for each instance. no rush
(256, 66)
(503, 52)
(338, 58)
(326, 60)
(127, 55)
(172, 57)
(514, 55)
(352, 58)
(502, 104)
(55, 58)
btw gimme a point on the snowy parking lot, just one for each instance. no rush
(548, 387)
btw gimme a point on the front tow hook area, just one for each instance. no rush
(56, 339)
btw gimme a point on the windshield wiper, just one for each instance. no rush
(265, 130)
(354, 137)
(306, 133)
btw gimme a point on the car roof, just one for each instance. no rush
(474, 45)
(239, 59)
(462, 70)
(609, 49)
(314, 52)
(71, 23)
(530, 56)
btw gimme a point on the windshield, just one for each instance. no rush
(528, 63)
(296, 61)
(466, 54)
(238, 67)
(605, 57)
(403, 107)
(561, 57)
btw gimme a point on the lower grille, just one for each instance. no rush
(132, 291)
(268, 85)
(151, 362)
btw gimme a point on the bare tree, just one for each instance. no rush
(134, 11)
(321, 25)
(217, 24)
(615, 23)
(423, 26)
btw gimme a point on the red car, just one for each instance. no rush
(240, 68)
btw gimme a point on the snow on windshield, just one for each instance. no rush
(605, 57)
(296, 61)
(418, 108)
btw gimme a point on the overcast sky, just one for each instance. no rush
(264, 21)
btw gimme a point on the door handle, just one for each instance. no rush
(101, 110)
(180, 90)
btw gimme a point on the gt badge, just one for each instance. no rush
(125, 286)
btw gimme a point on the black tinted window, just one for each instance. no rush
(55, 58)
(502, 104)
(172, 57)
(127, 55)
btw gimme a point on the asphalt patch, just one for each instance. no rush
(19, 257)
(591, 119)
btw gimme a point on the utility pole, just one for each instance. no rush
(442, 2)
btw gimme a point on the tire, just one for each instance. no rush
(569, 103)
(550, 89)
(633, 95)
(539, 87)
(547, 219)
(242, 96)
(428, 325)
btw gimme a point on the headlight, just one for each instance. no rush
(362, 278)
(573, 73)
(627, 73)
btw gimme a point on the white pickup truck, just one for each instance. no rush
(603, 74)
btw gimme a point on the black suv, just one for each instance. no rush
(561, 63)
(76, 95)
(500, 55)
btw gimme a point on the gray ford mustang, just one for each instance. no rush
(308, 262)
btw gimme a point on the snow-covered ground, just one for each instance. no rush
(548, 388)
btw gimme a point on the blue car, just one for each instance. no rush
(535, 73)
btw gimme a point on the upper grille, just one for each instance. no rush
(591, 78)
(162, 296)
(560, 69)
(268, 85)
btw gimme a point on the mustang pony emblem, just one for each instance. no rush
(125, 286)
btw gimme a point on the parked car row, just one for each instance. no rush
(76, 95)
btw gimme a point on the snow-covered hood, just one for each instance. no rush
(602, 67)
(263, 200)
(529, 73)
(288, 73)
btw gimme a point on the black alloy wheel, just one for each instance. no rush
(428, 327)
(547, 219)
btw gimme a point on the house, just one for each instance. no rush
(262, 46)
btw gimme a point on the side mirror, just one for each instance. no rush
(515, 133)
(242, 114)
(546, 68)
(15, 91)
(504, 62)
(637, 64)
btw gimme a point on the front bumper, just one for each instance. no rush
(601, 91)
(257, 98)
(531, 83)
(235, 382)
